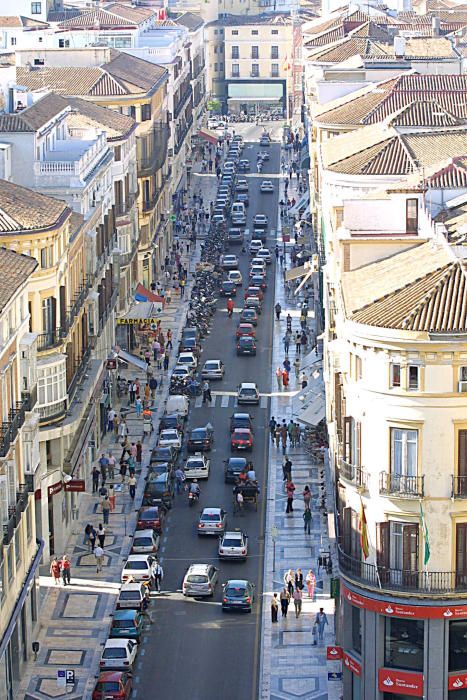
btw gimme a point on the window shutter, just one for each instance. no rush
(347, 534)
(382, 550)
(462, 453)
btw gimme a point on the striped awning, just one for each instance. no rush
(208, 135)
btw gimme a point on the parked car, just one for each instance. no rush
(170, 438)
(159, 490)
(127, 624)
(139, 567)
(119, 654)
(197, 467)
(133, 595)
(113, 685)
(145, 541)
(150, 518)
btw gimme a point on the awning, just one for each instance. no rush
(301, 204)
(143, 294)
(143, 312)
(131, 359)
(251, 98)
(208, 135)
(314, 412)
(296, 272)
(305, 164)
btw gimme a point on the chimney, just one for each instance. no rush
(399, 46)
(435, 26)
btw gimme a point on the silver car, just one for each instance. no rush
(213, 369)
(233, 545)
(200, 580)
(212, 521)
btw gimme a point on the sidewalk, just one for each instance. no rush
(290, 666)
(75, 619)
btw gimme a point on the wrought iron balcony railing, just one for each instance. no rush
(355, 475)
(459, 487)
(401, 485)
(9, 429)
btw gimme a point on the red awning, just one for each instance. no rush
(208, 135)
(141, 292)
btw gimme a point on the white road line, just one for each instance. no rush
(263, 402)
(198, 402)
(225, 401)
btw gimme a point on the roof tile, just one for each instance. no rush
(15, 270)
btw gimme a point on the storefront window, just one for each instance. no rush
(403, 646)
(458, 646)
(357, 629)
(458, 694)
(396, 696)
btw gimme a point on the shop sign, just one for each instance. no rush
(286, 237)
(351, 664)
(111, 364)
(334, 675)
(402, 682)
(457, 681)
(54, 489)
(415, 612)
(333, 653)
(77, 485)
(136, 321)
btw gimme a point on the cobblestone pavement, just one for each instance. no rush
(290, 666)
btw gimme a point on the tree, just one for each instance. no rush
(214, 106)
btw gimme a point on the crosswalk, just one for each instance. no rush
(229, 400)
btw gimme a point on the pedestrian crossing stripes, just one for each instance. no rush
(228, 400)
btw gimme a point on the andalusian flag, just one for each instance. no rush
(426, 551)
(363, 531)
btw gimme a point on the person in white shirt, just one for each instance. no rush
(99, 554)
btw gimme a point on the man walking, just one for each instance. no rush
(272, 427)
(158, 576)
(307, 521)
(95, 479)
(179, 479)
(105, 503)
(65, 567)
(132, 486)
(274, 608)
(206, 392)
(321, 621)
(297, 601)
(99, 554)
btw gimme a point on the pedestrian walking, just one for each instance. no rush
(87, 532)
(296, 366)
(272, 427)
(298, 344)
(206, 392)
(165, 363)
(285, 601)
(307, 521)
(321, 621)
(101, 534)
(278, 309)
(132, 486)
(288, 321)
(297, 601)
(111, 497)
(299, 580)
(285, 379)
(304, 340)
(296, 433)
(139, 407)
(55, 571)
(287, 469)
(122, 430)
(307, 497)
(286, 341)
(290, 488)
(95, 479)
(105, 505)
(99, 554)
(92, 538)
(310, 584)
(158, 577)
(279, 378)
(274, 607)
(303, 380)
(289, 581)
(284, 433)
(110, 420)
(139, 454)
(179, 479)
(278, 434)
(111, 465)
(65, 567)
(182, 287)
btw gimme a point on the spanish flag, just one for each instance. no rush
(286, 65)
(363, 531)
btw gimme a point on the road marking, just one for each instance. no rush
(263, 402)
(199, 402)
(225, 401)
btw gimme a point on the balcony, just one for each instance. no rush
(9, 429)
(401, 486)
(29, 398)
(126, 258)
(182, 134)
(151, 150)
(383, 578)
(108, 309)
(71, 162)
(354, 475)
(49, 339)
(181, 102)
(80, 368)
(52, 413)
(124, 208)
(254, 74)
(14, 514)
(197, 70)
(459, 487)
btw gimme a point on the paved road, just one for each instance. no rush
(193, 649)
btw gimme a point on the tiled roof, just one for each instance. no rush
(15, 270)
(190, 21)
(135, 72)
(435, 94)
(21, 21)
(278, 19)
(329, 36)
(35, 116)
(452, 176)
(373, 31)
(114, 15)
(131, 13)
(455, 221)
(22, 209)
(61, 15)
(426, 113)
(434, 303)
(348, 47)
(116, 124)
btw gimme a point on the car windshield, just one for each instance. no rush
(123, 624)
(210, 517)
(234, 542)
(149, 515)
(198, 434)
(195, 464)
(136, 565)
(114, 653)
(197, 578)
(249, 392)
(142, 542)
(235, 592)
(130, 595)
(108, 686)
(246, 340)
(211, 365)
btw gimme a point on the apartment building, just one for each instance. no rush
(20, 550)
(195, 25)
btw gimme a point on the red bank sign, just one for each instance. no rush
(416, 612)
(352, 664)
(333, 653)
(457, 681)
(391, 681)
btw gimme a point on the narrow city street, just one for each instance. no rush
(215, 653)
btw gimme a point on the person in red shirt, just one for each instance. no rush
(55, 571)
(65, 567)
(230, 307)
(290, 488)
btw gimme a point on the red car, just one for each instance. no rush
(254, 292)
(150, 518)
(241, 439)
(246, 329)
(113, 684)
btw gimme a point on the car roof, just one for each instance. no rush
(124, 614)
(212, 511)
(241, 415)
(235, 460)
(218, 361)
(248, 385)
(143, 533)
(234, 533)
(133, 586)
(138, 557)
(239, 582)
(242, 430)
(201, 568)
(110, 676)
(168, 430)
(117, 643)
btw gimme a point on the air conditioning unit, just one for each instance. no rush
(462, 387)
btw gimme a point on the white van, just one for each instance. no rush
(237, 208)
(178, 404)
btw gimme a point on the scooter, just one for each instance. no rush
(192, 498)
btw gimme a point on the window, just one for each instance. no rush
(404, 448)
(356, 629)
(462, 462)
(461, 554)
(413, 371)
(395, 375)
(13, 41)
(235, 52)
(63, 43)
(352, 441)
(274, 52)
(234, 32)
(274, 31)
(215, 49)
(358, 368)
(462, 379)
(403, 643)
(118, 153)
(274, 70)
(44, 264)
(255, 52)
(254, 32)
(51, 384)
(215, 68)
(221, 66)
(255, 70)
(39, 62)
(458, 645)
(36, 8)
(235, 70)
(145, 113)
(411, 216)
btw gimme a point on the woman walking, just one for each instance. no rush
(289, 581)
(307, 497)
(55, 571)
(101, 535)
(310, 584)
(299, 579)
(285, 601)
(274, 608)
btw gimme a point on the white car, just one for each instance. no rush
(139, 567)
(265, 255)
(145, 542)
(118, 655)
(200, 580)
(197, 467)
(229, 262)
(213, 369)
(233, 545)
(255, 245)
(257, 270)
(212, 521)
(247, 392)
(170, 438)
(235, 276)
(260, 220)
(218, 219)
(260, 262)
(181, 372)
(266, 186)
(188, 359)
